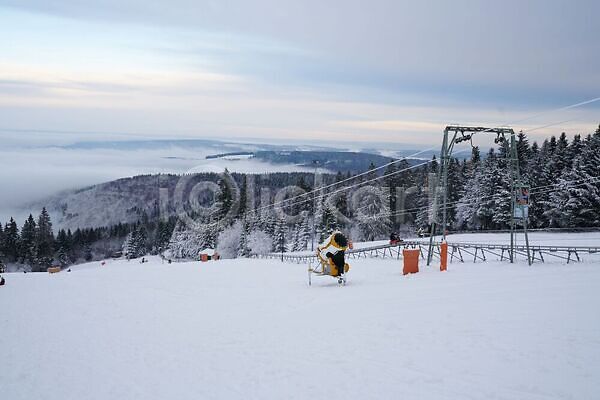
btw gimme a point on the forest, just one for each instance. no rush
(252, 214)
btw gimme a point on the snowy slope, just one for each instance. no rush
(253, 329)
(535, 237)
(576, 239)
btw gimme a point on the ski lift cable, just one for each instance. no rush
(564, 108)
(254, 212)
(347, 179)
(351, 186)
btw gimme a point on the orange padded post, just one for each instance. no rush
(443, 256)
(411, 261)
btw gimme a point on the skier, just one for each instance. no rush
(331, 254)
(395, 238)
(2, 281)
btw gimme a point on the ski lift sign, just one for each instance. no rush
(521, 202)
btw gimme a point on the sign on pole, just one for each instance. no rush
(521, 209)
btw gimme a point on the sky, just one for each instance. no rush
(356, 74)
(340, 70)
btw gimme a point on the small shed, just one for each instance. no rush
(208, 254)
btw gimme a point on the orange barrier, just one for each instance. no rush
(53, 270)
(443, 256)
(411, 261)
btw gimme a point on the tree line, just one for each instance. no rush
(563, 174)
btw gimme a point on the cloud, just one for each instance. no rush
(347, 70)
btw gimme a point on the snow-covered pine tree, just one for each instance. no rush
(260, 242)
(62, 257)
(328, 222)
(87, 252)
(141, 241)
(523, 151)
(455, 188)
(561, 155)
(466, 208)
(576, 200)
(2, 243)
(11, 241)
(243, 250)
(575, 149)
(188, 242)
(136, 242)
(28, 250)
(318, 219)
(503, 195)
(128, 248)
(228, 243)
(225, 195)
(268, 222)
(303, 234)
(471, 194)
(244, 196)
(279, 242)
(539, 177)
(373, 218)
(44, 240)
(164, 231)
(488, 184)
(295, 235)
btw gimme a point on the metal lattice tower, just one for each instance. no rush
(457, 134)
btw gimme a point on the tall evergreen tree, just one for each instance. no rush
(244, 250)
(2, 243)
(576, 200)
(225, 195)
(327, 223)
(523, 151)
(279, 242)
(303, 235)
(44, 240)
(28, 250)
(11, 241)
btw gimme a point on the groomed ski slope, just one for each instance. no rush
(535, 238)
(253, 329)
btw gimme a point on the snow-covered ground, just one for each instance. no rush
(575, 239)
(253, 329)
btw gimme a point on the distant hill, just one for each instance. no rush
(128, 199)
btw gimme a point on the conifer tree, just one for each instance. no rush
(244, 250)
(303, 235)
(2, 243)
(11, 241)
(87, 252)
(28, 250)
(523, 151)
(279, 243)
(327, 222)
(44, 240)
(225, 195)
(62, 257)
(576, 200)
